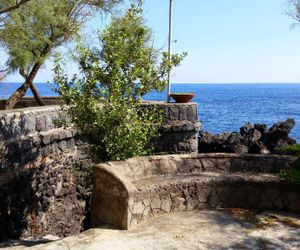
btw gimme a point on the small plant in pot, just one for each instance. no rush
(182, 97)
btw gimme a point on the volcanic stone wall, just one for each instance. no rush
(180, 128)
(128, 192)
(38, 182)
(40, 190)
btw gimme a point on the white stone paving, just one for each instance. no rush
(236, 229)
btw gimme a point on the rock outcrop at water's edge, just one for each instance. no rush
(256, 139)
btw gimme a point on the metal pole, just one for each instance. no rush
(169, 49)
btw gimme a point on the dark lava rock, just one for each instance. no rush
(262, 128)
(278, 135)
(245, 130)
(255, 139)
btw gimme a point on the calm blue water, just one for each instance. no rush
(226, 107)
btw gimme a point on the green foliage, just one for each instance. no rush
(105, 102)
(60, 122)
(7, 6)
(2, 152)
(114, 126)
(85, 174)
(292, 174)
(293, 11)
(31, 32)
(294, 149)
(26, 32)
(127, 59)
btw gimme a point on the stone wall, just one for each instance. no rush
(28, 133)
(39, 149)
(129, 192)
(180, 129)
(179, 133)
(38, 181)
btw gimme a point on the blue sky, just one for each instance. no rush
(228, 41)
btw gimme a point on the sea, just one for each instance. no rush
(224, 107)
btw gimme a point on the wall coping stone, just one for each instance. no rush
(30, 109)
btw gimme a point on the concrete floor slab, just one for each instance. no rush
(226, 229)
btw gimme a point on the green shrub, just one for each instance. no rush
(293, 174)
(105, 102)
(85, 173)
(2, 153)
(293, 150)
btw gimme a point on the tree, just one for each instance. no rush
(105, 102)
(292, 174)
(293, 10)
(9, 5)
(32, 31)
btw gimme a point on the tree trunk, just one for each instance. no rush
(37, 95)
(20, 92)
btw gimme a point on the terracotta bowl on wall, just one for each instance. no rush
(182, 97)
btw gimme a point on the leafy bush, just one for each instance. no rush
(85, 173)
(105, 102)
(2, 152)
(294, 173)
(293, 150)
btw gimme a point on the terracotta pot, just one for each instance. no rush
(182, 97)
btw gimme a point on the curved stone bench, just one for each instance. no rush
(128, 192)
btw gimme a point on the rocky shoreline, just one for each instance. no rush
(252, 138)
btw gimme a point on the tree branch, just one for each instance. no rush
(13, 7)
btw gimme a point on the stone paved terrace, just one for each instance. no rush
(234, 229)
